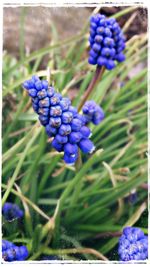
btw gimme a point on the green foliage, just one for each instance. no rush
(69, 209)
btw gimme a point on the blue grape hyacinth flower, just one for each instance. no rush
(93, 112)
(11, 252)
(61, 120)
(11, 211)
(107, 42)
(133, 245)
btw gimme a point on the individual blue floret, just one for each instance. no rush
(6, 245)
(75, 137)
(86, 146)
(70, 159)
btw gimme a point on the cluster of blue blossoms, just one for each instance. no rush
(133, 245)
(106, 41)
(11, 211)
(61, 120)
(92, 112)
(11, 252)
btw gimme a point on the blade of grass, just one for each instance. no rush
(18, 167)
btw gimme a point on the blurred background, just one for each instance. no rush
(37, 21)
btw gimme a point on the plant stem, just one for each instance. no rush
(97, 77)
(78, 187)
(108, 234)
(78, 163)
(94, 159)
